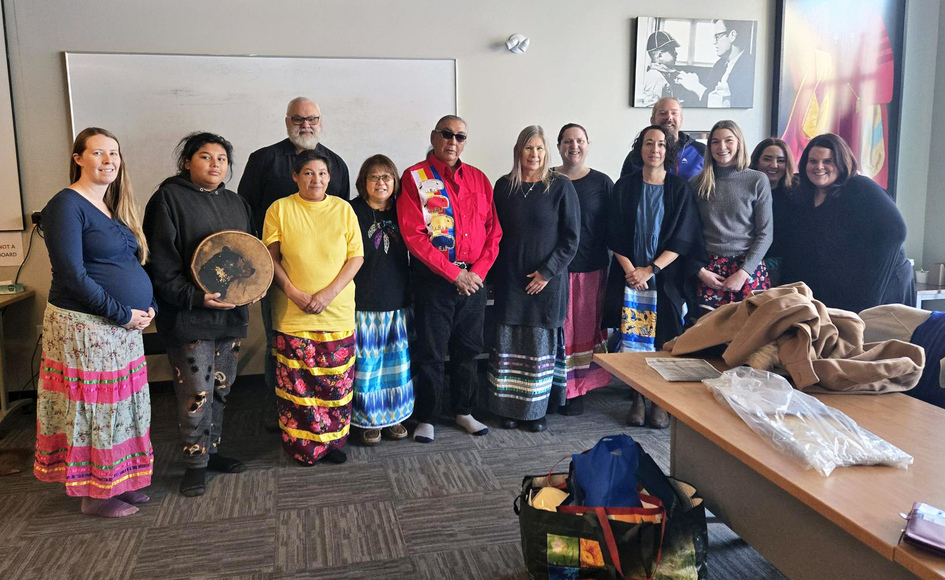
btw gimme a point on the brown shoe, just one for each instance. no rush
(371, 436)
(657, 418)
(637, 415)
(395, 432)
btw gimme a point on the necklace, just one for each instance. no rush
(524, 192)
(381, 232)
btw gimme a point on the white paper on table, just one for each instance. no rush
(683, 369)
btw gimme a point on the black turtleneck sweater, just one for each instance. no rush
(179, 216)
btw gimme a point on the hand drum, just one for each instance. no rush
(233, 263)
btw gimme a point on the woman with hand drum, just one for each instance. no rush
(202, 329)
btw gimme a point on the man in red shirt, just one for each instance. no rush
(448, 222)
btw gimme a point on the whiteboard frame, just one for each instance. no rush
(242, 152)
(10, 166)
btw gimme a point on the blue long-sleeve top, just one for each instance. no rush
(95, 268)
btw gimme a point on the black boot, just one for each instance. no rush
(637, 416)
(573, 407)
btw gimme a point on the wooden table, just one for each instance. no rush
(6, 408)
(846, 525)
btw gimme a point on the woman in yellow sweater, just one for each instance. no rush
(316, 248)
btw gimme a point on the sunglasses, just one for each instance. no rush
(447, 134)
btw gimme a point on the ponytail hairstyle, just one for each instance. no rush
(191, 144)
(572, 126)
(119, 197)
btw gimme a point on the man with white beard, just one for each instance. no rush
(267, 178)
(268, 173)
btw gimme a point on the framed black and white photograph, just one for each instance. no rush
(708, 63)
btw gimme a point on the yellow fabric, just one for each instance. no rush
(314, 401)
(317, 371)
(316, 239)
(321, 437)
(323, 336)
(109, 486)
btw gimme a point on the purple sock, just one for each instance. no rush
(107, 508)
(134, 497)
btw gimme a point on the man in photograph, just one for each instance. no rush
(731, 82)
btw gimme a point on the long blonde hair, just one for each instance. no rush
(119, 197)
(705, 181)
(523, 138)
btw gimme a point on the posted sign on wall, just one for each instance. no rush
(11, 248)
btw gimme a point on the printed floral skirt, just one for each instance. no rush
(583, 335)
(710, 299)
(314, 384)
(93, 413)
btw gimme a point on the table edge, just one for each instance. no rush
(867, 537)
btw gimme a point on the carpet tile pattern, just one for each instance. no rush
(396, 510)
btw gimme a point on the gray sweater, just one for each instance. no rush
(736, 219)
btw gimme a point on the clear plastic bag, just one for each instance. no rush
(800, 425)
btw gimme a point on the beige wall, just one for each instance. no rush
(923, 43)
(935, 210)
(577, 69)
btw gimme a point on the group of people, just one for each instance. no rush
(371, 296)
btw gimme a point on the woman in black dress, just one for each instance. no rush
(849, 233)
(541, 221)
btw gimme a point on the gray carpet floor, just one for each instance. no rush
(397, 510)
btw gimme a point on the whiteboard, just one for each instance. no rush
(11, 216)
(149, 101)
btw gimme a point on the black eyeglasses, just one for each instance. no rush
(719, 35)
(447, 134)
(297, 120)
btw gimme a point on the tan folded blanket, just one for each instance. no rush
(816, 345)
